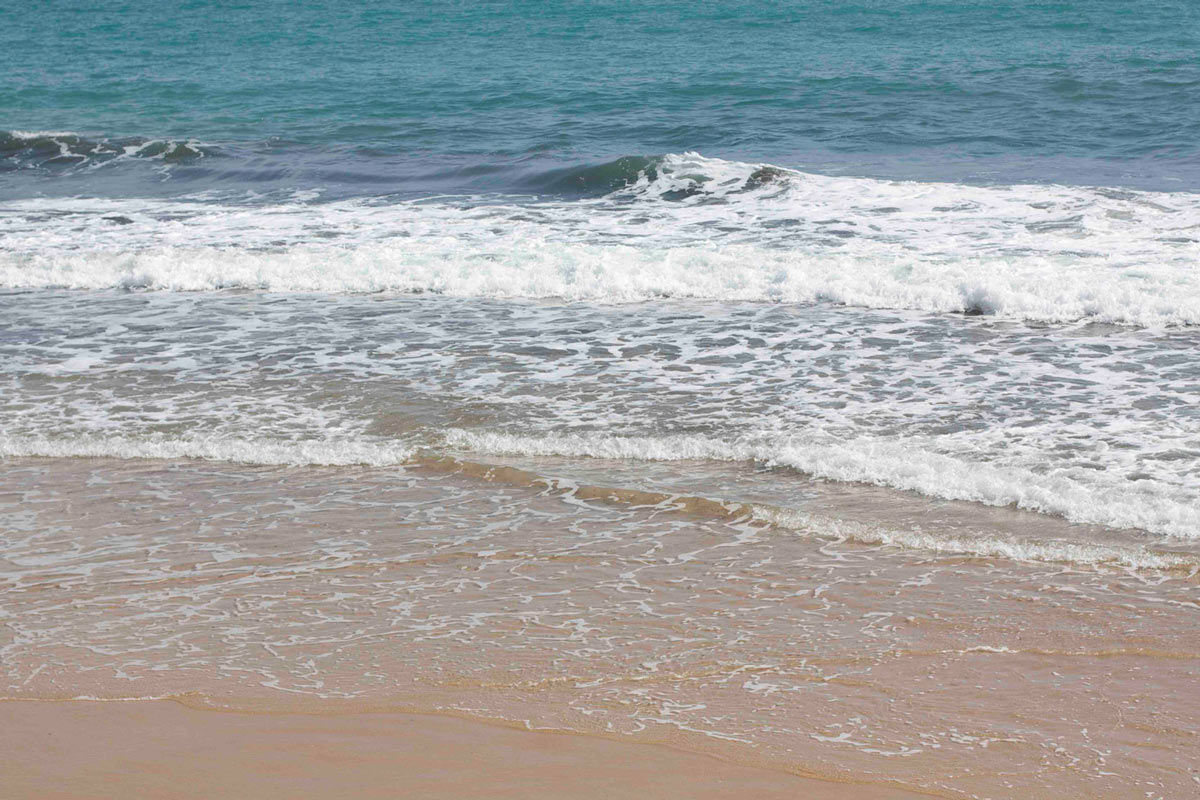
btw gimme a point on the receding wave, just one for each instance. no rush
(319, 454)
(983, 545)
(977, 544)
(896, 464)
(683, 227)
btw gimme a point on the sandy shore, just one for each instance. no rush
(349, 591)
(163, 749)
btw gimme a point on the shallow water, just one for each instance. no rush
(1090, 424)
(945, 552)
(443, 586)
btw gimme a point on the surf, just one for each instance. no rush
(676, 227)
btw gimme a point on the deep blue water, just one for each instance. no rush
(384, 97)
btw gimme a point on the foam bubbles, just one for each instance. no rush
(689, 228)
(67, 151)
(908, 464)
(237, 451)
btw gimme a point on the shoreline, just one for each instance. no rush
(349, 597)
(168, 749)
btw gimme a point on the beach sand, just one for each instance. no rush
(164, 749)
(302, 613)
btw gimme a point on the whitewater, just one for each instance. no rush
(1021, 347)
(674, 227)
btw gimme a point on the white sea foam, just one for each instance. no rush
(41, 134)
(984, 545)
(816, 460)
(239, 451)
(626, 274)
(1046, 253)
(909, 464)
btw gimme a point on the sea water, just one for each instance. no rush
(818, 383)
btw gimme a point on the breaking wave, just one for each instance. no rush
(63, 151)
(679, 226)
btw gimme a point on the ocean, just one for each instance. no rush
(812, 384)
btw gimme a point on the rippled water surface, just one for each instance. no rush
(1086, 422)
(553, 604)
(442, 93)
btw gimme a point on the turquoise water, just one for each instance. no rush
(364, 99)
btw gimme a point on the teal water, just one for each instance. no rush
(378, 97)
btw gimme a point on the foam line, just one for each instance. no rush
(680, 226)
(904, 465)
(238, 451)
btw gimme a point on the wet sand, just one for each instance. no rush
(312, 603)
(163, 749)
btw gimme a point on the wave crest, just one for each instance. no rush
(668, 177)
(65, 151)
